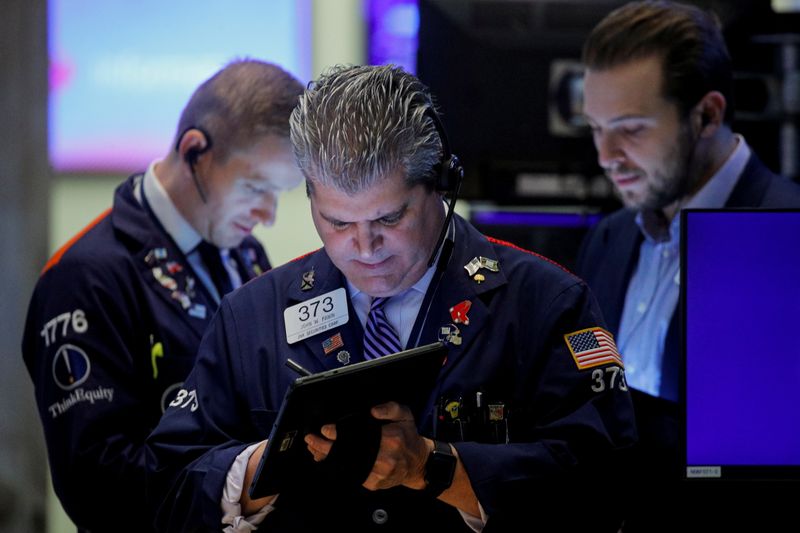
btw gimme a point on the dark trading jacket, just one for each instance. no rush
(111, 333)
(561, 419)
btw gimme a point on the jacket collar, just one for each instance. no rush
(161, 264)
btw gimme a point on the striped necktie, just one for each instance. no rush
(379, 337)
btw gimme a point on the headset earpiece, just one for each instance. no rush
(449, 172)
(191, 156)
(449, 175)
(193, 153)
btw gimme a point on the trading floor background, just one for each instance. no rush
(515, 199)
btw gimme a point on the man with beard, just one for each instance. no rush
(657, 95)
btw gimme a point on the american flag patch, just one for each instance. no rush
(592, 347)
(332, 343)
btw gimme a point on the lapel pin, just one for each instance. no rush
(473, 266)
(343, 357)
(165, 281)
(450, 334)
(173, 267)
(459, 312)
(183, 298)
(155, 255)
(308, 281)
(198, 311)
(332, 343)
(490, 264)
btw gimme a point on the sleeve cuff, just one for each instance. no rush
(475, 523)
(232, 510)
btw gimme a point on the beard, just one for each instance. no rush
(673, 179)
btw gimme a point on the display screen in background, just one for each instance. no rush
(121, 71)
(392, 33)
(742, 303)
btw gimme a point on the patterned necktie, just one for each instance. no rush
(379, 337)
(213, 262)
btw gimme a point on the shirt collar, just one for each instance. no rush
(712, 195)
(184, 235)
(716, 192)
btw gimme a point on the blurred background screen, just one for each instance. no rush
(121, 71)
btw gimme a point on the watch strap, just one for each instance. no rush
(439, 469)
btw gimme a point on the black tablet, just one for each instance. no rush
(406, 377)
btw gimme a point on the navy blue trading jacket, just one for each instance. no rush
(562, 419)
(111, 333)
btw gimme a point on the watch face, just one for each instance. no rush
(440, 468)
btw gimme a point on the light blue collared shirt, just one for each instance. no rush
(184, 235)
(655, 285)
(401, 310)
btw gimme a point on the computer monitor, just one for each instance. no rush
(740, 294)
(121, 72)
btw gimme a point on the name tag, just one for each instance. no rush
(314, 316)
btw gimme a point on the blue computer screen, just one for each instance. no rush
(741, 303)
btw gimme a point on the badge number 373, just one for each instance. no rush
(316, 315)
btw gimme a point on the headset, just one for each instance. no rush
(449, 176)
(191, 157)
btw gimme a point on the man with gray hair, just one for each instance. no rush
(524, 337)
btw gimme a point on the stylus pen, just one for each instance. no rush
(297, 368)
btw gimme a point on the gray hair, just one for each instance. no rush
(357, 124)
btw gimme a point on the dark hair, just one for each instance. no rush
(357, 124)
(242, 103)
(687, 39)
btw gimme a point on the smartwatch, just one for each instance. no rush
(439, 469)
